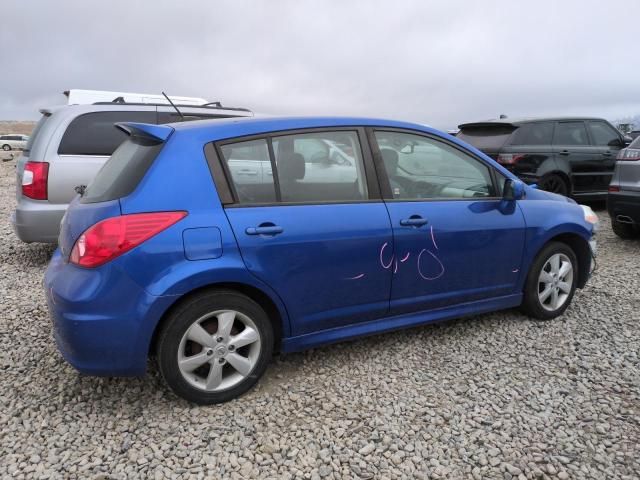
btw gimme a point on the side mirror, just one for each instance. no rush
(513, 190)
(626, 141)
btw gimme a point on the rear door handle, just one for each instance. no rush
(266, 230)
(564, 152)
(414, 221)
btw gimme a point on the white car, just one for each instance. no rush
(13, 142)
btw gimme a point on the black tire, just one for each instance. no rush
(531, 304)
(6, 147)
(183, 317)
(624, 230)
(554, 183)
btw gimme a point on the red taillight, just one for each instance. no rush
(34, 180)
(629, 154)
(114, 236)
(614, 188)
(510, 158)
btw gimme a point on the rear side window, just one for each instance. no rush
(250, 168)
(533, 134)
(94, 133)
(486, 137)
(571, 133)
(120, 175)
(603, 134)
(36, 130)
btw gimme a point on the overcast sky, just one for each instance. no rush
(440, 63)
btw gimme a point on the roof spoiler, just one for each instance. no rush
(497, 123)
(159, 133)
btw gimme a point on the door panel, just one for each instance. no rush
(323, 263)
(454, 241)
(468, 250)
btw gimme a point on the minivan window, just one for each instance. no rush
(603, 134)
(120, 175)
(489, 137)
(36, 130)
(571, 133)
(250, 168)
(533, 134)
(94, 133)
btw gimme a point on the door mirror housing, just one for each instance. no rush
(626, 140)
(513, 190)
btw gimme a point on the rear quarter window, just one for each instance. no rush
(490, 138)
(533, 134)
(32, 138)
(120, 175)
(94, 133)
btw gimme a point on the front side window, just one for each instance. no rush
(422, 168)
(320, 167)
(571, 133)
(603, 134)
(250, 168)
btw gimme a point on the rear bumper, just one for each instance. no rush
(103, 322)
(625, 204)
(35, 221)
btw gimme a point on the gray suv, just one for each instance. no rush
(623, 201)
(67, 148)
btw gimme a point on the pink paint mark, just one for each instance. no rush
(433, 238)
(406, 257)
(357, 277)
(395, 268)
(436, 259)
(382, 261)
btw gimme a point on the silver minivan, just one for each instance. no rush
(70, 144)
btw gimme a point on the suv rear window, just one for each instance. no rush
(94, 133)
(120, 175)
(487, 137)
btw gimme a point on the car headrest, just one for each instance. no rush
(291, 167)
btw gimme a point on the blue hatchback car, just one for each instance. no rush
(212, 244)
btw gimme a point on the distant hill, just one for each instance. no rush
(22, 127)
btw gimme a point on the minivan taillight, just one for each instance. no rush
(34, 180)
(510, 158)
(114, 236)
(629, 154)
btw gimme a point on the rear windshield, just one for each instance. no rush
(635, 143)
(93, 133)
(486, 137)
(36, 130)
(120, 175)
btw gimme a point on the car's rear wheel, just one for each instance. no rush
(214, 347)
(624, 230)
(551, 282)
(6, 147)
(554, 183)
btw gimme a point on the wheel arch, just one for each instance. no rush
(580, 247)
(260, 297)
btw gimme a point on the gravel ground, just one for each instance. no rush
(495, 396)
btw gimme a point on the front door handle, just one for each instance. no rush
(414, 221)
(564, 152)
(264, 230)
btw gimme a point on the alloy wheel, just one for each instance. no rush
(219, 350)
(555, 282)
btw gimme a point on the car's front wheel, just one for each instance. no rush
(214, 346)
(551, 282)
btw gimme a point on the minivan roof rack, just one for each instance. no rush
(210, 105)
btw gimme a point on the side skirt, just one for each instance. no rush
(386, 324)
